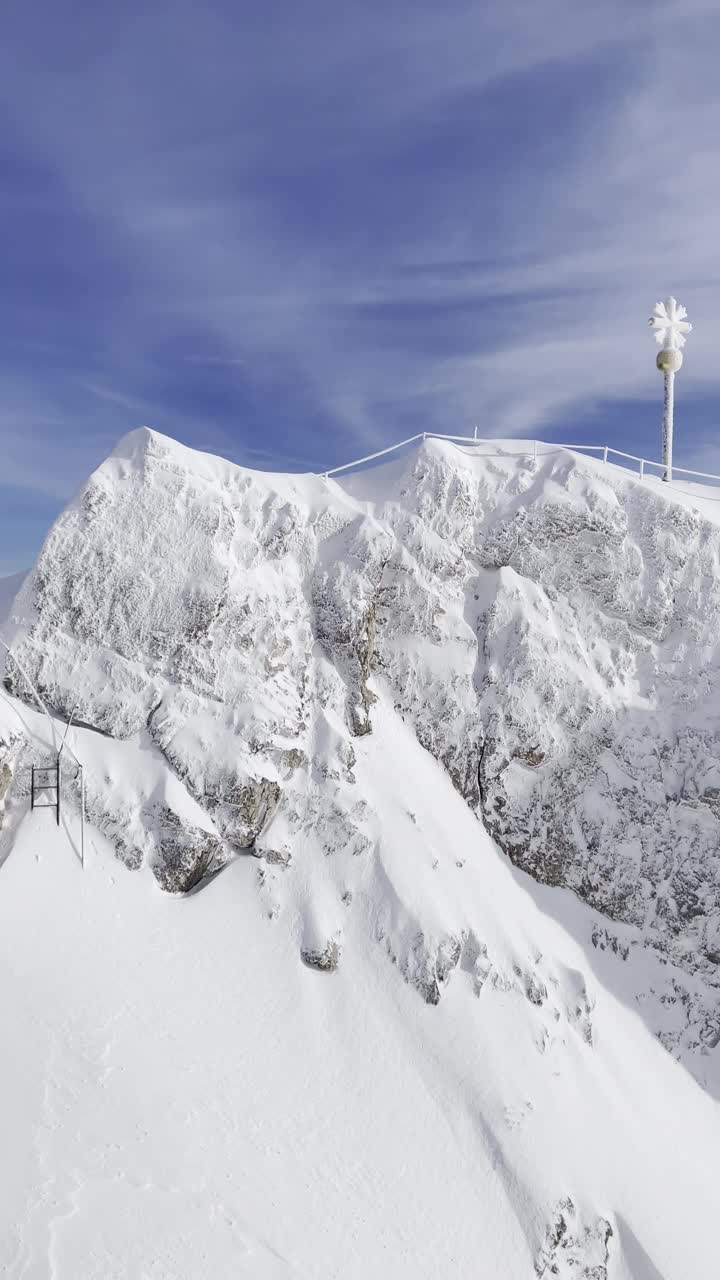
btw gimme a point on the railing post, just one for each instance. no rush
(605, 453)
(534, 450)
(475, 434)
(642, 468)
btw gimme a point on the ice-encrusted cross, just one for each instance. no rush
(670, 324)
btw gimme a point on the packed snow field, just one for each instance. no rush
(395, 947)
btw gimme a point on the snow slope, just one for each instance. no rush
(329, 692)
(184, 1099)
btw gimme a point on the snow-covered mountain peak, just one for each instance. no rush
(374, 703)
(513, 610)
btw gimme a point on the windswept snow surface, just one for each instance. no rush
(364, 1043)
(182, 1098)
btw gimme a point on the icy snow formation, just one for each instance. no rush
(549, 630)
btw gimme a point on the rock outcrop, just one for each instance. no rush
(185, 854)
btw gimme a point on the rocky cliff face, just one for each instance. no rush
(549, 631)
(577, 614)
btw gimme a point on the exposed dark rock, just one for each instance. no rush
(365, 649)
(345, 601)
(326, 960)
(293, 759)
(185, 854)
(575, 1247)
(429, 970)
(241, 808)
(276, 857)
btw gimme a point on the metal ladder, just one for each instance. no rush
(43, 779)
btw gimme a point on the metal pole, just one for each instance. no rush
(82, 818)
(667, 435)
(58, 791)
(670, 325)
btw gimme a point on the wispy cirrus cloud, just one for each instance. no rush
(294, 232)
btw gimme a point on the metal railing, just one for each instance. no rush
(531, 452)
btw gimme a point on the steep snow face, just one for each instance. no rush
(549, 630)
(184, 1097)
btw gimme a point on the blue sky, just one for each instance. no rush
(293, 232)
